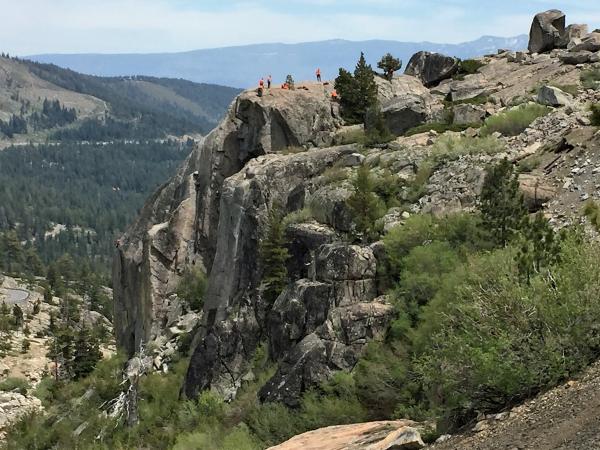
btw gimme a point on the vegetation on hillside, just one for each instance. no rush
(94, 191)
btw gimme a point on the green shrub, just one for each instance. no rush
(192, 288)
(591, 210)
(440, 127)
(416, 189)
(364, 204)
(529, 164)
(452, 147)
(514, 121)
(19, 385)
(590, 79)
(470, 66)
(354, 136)
(571, 89)
(335, 174)
(595, 118)
(299, 216)
(488, 340)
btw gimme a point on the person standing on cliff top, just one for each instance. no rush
(269, 80)
(319, 75)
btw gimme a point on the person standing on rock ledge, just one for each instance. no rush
(269, 80)
(261, 86)
(319, 75)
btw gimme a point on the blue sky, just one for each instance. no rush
(121, 26)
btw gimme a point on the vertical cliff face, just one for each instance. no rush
(182, 224)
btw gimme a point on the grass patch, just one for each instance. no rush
(292, 150)
(440, 128)
(15, 385)
(590, 79)
(356, 136)
(571, 89)
(300, 216)
(335, 174)
(514, 121)
(528, 164)
(448, 148)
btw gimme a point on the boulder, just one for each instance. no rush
(339, 262)
(386, 435)
(572, 32)
(406, 103)
(329, 206)
(547, 31)
(467, 114)
(573, 58)
(590, 43)
(553, 96)
(431, 68)
(535, 191)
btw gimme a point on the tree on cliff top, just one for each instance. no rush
(357, 92)
(389, 65)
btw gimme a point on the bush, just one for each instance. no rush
(595, 118)
(590, 79)
(19, 385)
(514, 121)
(487, 340)
(451, 147)
(364, 204)
(470, 66)
(592, 211)
(192, 288)
(439, 127)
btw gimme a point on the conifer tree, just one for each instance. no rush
(274, 256)
(389, 65)
(87, 353)
(364, 204)
(501, 202)
(357, 92)
(18, 316)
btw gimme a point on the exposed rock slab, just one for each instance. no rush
(431, 68)
(386, 435)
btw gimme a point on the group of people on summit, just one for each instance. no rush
(286, 85)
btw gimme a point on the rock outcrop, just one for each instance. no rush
(386, 435)
(14, 406)
(547, 31)
(178, 226)
(431, 68)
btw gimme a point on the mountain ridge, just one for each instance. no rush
(251, 62)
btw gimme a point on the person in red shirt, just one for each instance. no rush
(319, 75)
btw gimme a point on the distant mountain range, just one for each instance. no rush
(243, 66)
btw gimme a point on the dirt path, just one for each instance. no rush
(564, 418)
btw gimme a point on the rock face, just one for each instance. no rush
(387, 435)
(14, 406)
(431, 68)
(590, 43)
(406, 103)
(547, 31)
(178, 227)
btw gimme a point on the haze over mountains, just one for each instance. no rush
(242, 66)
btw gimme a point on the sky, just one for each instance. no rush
(147, 26)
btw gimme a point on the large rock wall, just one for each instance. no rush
(178, 226)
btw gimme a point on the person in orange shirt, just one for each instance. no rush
(319, 75)
(334, 95)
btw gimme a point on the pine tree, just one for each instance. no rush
(540, 247)
(357, 92)
(274, 256)
(18, 316)
(365, 206)
(389, 65)
(501, 202)
(87, 353)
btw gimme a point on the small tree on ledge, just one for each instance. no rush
(389, 65)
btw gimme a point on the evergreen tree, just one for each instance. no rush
(18, 316)
(365, 206)
(33, 262)
(540, 247)
(501, 202)
(274, 256)
(87, 353)
(389, 65)
(357, 93)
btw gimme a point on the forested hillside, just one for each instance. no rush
(77, 198)
(43, 101)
